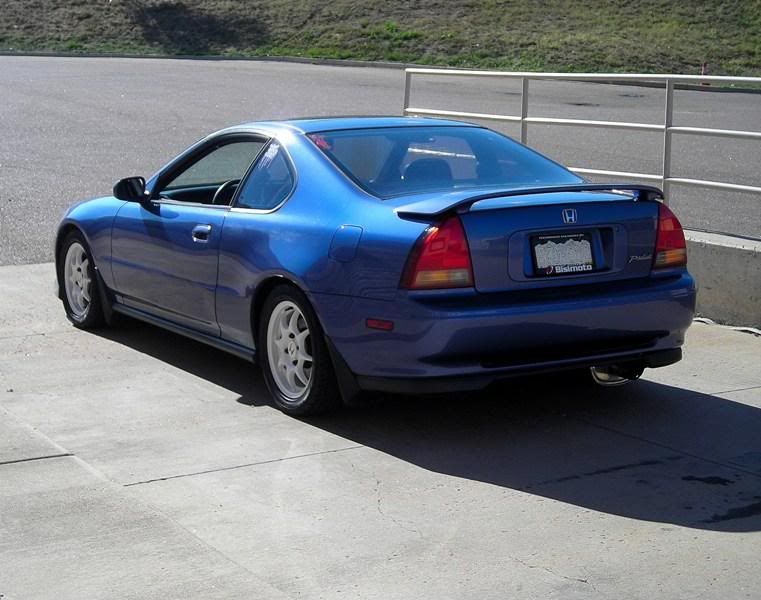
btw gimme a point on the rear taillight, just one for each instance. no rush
(440, 259)
(670, 247)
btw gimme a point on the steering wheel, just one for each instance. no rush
(225, 186)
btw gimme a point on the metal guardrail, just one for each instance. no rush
(667, 128)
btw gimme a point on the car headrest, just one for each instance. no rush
(426, 170)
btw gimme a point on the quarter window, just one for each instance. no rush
(270, 181)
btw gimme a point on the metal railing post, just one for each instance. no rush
(667, 127)
(667, 123)
(407, 85)
(524, 110)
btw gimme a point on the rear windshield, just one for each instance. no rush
(394, 161)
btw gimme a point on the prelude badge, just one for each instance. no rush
(569, 215)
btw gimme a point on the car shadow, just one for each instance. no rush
(647, 451)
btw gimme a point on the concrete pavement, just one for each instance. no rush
(137, 464)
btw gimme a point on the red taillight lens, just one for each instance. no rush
(670, 247)
(440, 259)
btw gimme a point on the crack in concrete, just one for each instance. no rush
(24, 336)
(23, 460)
(744, 389)
(243, 466)
(397, 522)
(556, 574)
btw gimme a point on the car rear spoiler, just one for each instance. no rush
(436, 207)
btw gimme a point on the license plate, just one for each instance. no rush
(562, 254)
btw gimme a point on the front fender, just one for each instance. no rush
(94, 219)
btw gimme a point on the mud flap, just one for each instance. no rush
(105, 299)
(347, 382)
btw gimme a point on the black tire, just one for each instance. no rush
(322, 394)
(93, 315)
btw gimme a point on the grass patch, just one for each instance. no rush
(552, 35)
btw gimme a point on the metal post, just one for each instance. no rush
(524, 110)
(667, 122)
(407, 85)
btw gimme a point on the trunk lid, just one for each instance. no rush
(532, 239)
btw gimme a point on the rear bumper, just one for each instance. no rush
(477, 381)
(470, 339)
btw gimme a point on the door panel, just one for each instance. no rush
(166, 253)
(256, 242)
(165, 261)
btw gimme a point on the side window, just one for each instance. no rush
(225, 163)
(270, 181)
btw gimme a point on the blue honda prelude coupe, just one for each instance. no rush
(392, 254)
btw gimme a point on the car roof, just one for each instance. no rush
(314, 124)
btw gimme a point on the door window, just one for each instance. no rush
(200, 181)
(270, 181)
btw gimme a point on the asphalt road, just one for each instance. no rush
(136, 464)
(70, 127)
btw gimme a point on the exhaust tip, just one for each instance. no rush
(614, 375)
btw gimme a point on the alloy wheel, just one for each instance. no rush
(77, 282)
(289, 351)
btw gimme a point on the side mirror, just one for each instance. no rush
(131, 189)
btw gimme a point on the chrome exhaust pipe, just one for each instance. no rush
(614, 375)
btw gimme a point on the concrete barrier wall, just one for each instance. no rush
(728, 272)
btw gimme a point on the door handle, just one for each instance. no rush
(200, 233)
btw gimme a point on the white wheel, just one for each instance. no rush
(78, 283)
(289, 351)
(294, 354)
(76, 280)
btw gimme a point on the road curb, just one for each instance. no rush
(335, 62)
(728, 272)
(346, 62)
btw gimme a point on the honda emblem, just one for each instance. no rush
(569, 215)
